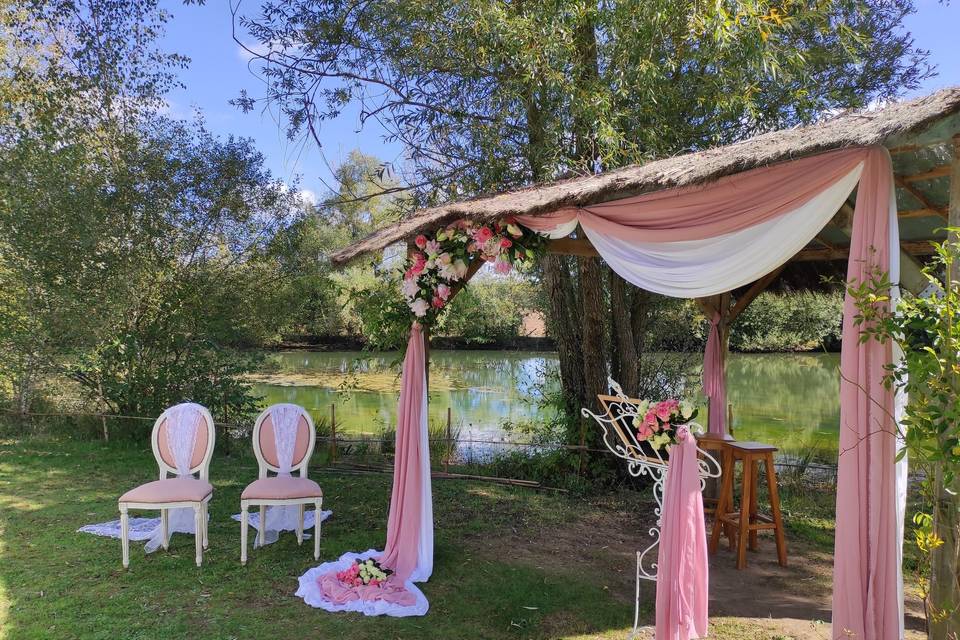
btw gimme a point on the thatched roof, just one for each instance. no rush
(864, 128)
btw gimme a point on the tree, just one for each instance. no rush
(75, 78)
(489, 96)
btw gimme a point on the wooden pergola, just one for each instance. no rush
(922, 135)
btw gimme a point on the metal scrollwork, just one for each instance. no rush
(619, 436)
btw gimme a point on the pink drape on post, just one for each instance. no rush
(682, 568)
(714, 379)
(865, 573)
(406, 501)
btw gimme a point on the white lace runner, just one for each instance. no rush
(183, 422)
(286, 422)
(253, 520)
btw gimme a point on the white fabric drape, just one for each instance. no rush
(286, 422)
(699, 268)
(425, 549)
(183, 422)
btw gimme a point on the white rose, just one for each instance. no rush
(419, 307)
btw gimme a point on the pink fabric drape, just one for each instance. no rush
(865, 573)
(682, 568)
(393, 590)
(703, 211)
(715, 379)
(404, 522)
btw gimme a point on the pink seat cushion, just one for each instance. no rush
(170, 490)
(281, 489)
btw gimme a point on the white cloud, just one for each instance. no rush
(248, 52)
(309, 197)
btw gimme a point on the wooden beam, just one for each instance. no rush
(922, 213)
(913, 247)
(911, 148)
(938, 172)
(920, 197)
(572, 247)
(755, 289)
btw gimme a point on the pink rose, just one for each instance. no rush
(644, 432)
(443, 291)
(417, 268)
(421, 241)
(482, 234)
(664, 411)
(438, 302)
(506, 243)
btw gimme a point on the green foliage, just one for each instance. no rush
(135, 253)
(490, 96)
(796, 321)
(927, 330)
(489, 309)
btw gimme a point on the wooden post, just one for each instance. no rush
(446, 458)
(333, 432)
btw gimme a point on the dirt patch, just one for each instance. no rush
(764, 600)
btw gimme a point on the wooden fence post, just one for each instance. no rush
(446, 457)
(333, 432)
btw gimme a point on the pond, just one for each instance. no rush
(790, 400)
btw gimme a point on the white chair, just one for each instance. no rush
(183, 438)
(283, 441)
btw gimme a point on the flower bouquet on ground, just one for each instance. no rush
(665, 423)
(364, 572)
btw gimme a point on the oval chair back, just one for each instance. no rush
(202, 449)
(265, 446)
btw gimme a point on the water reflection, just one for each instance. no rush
(790, 400)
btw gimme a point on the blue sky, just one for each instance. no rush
(219, 71)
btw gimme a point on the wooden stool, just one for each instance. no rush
(714, 443)
(748, 521)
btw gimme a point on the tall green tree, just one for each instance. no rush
(486, 96)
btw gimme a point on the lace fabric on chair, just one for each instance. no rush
(183, 422)
(286, 423)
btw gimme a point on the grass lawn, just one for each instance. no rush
(510, 562)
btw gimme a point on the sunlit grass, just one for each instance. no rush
(58, 583)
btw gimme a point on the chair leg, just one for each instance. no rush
(125, 536)
(300, 508)
(165, 528)
(198, 532)
(244, 524)
(262, 529)
(745, 500)
(775, 511)
(316, 529)
(206, 525)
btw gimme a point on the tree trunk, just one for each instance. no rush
(944, 598)
(624, 352)
(564, 330)
(592, 344)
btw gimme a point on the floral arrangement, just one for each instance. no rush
(436, 264)
(364, 572)
(664, 423)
